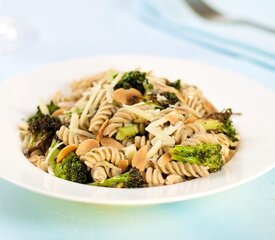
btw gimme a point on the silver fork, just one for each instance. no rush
(209, 13)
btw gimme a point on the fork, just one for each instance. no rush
(209, 13)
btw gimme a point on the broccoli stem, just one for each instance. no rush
(127, 131)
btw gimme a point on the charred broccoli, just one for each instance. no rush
(42, 130)
(134, 79)
(130, 179)
(72, 169)
(52, 107)
(220, 123)
(206, 154)
(161, 100)
(175, 84)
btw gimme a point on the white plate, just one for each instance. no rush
(20, 95)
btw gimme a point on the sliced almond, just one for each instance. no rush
(139, 160)
(123, 164)
(65, 152)
(99, 134)
(110, 142)
(190, 120)
(127, 96)
(209, 107)
(58, 112)
(172, 117)
(86, 146)
(164, 159)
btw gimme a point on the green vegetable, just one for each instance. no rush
(72, 169)
(42, 130)
(44, 124)
(175, 84)
(73, 110)
(52, 107)
(130, 179)
(152, 98)
(53, 152)
(206, 154)
(171, 98)
(127, 131)
(220, 123)
(134, 79)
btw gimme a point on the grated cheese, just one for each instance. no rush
(160, 134)
(167, 131)
(156, 147)
(89, 103)
(83, 132)
(110, 88)
(74, 121)
(139, 112)
(43, 107)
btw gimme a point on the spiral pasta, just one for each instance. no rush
(184, 169)
(105, 111)
(188, 130)
(96, 155)
(68, 137)
(153, 177)
(138, 141)
(39, 160)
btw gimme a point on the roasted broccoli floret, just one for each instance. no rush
(42, 130)
(206, 154)
(130, 179)
(127, 131)
(44, 124)
(134, 79)
(52, 107)
(171, 98)
(72, 169)
(220, 123)
(175, 84)
(161, 100)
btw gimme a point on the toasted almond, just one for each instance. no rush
(127, 96)
(209, 107)
(99, 134)
(172, 117)
(86, 146)
(58, 112)
(123, 164)
(164, 159)
(139, 160)
(65, 152)
(110, 142)
(190, 120)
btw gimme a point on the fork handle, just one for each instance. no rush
(257, 25)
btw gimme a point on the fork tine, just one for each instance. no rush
(203, 9)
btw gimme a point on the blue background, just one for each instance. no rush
(73, 29)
